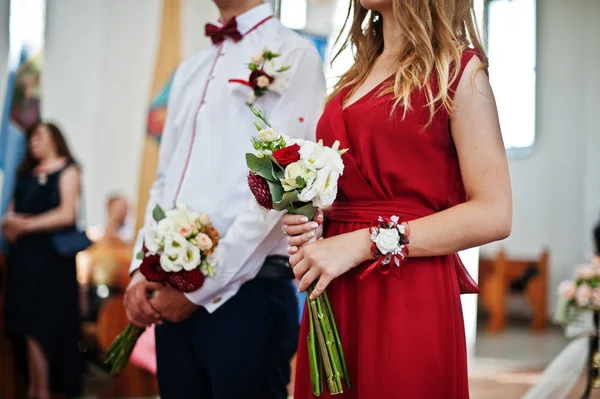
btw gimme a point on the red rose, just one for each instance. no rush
(187, 281)
(287, 155)
(255, 74)
(152, 270)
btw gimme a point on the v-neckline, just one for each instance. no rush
(364, 96)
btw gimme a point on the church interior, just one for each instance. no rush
(100, 69)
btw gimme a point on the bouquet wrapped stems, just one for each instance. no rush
(326, 356)
(119, 352)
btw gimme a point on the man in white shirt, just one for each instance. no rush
(235, 336)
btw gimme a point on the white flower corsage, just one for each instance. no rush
(389, 244)
(265, 75)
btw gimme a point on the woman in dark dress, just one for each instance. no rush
(42, 310)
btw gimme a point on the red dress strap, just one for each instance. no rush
(467, 55)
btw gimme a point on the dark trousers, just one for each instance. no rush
(241, 351)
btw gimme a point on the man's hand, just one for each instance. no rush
(137, 301)
(173, 305)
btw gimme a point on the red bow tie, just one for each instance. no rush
(217, 34)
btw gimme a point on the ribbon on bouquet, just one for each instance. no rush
(240, 81)
(384, 268)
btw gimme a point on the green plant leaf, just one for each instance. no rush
(276, 190)
(140, 255)
(251, 67)
(286, 201)
(261, 166)
(284, 68)
(308, 210)
(258, 113)
(158, 214)
(301, 182)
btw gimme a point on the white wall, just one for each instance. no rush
(557, 187)
(97, 79)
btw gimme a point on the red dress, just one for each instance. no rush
(402, 334)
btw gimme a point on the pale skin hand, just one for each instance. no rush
(484, 218)
(137, 301)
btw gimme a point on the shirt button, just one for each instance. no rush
(216, 299)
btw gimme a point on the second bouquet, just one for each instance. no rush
(301, 176)
(179, 250)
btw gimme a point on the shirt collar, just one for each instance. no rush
(249, 19)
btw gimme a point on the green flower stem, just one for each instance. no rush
(332, 348)
(337, 339)
(313, 357)
(331, 386)
(121, 348)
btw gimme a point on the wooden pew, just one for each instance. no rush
(501, 276)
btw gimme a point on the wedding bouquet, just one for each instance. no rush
(179, 249)
(301, 176)
(580, 294)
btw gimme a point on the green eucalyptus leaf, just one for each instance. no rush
(308, 210)
(287, 200)
(276, 190)
(158, 214)
(262, 166)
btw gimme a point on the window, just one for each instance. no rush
(511, 45)
(293, 13)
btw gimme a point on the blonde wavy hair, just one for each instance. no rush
(436, 32)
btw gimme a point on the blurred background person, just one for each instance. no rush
(118, 224)
(42, 312)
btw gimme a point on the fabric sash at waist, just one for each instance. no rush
(369, 211)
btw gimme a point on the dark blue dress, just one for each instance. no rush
(42, 290)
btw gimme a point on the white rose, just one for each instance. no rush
(191, 257)
(205, 219)
(164, 227)
(267, 135)
(257, 58)
(175, 245)
(270, 68)
(323, 189)
(294, 171)
(317, 156)
(204, 242)
(179, 215)
(169, 263)
(263, 82)
(152, 240)
(387, 240)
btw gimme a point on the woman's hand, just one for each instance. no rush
(329, 258)
(300, 231)
(14, 226)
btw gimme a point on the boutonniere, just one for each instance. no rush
(265, 75)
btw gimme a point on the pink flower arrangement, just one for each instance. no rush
(582, 293)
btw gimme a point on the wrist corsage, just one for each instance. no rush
(390, 239)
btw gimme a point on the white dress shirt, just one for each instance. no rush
(208, 132)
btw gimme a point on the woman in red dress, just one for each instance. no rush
(418, 116)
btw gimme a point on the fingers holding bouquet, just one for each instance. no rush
(300, 231)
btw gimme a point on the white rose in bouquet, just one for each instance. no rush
(165, 227)
(191, 257)
(322, 190)
(268, 135)
(257, 58)
(152, 240)
(387, 240)
(169, 263)
(175, 245)
(297, 176)
(317, 156)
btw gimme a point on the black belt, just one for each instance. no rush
(276, 268)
